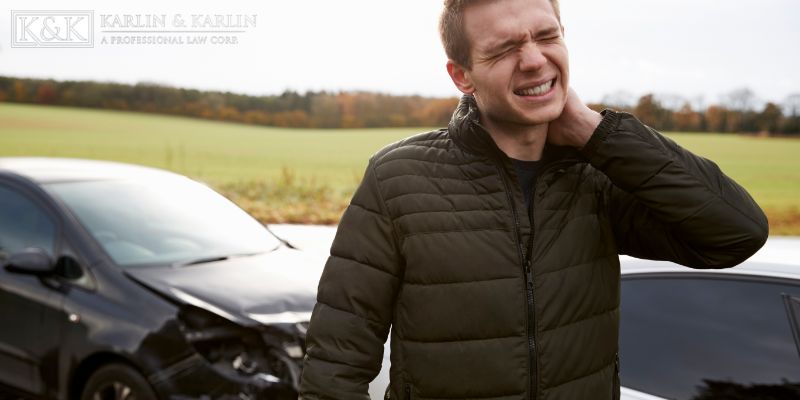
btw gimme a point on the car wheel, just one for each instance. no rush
(117, 382)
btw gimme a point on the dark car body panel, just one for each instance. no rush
(91, 312)
(242, 293)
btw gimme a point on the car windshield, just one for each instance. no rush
(163, 221)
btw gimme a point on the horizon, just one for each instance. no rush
(668, 101)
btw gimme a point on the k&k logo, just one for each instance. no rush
(43, 28)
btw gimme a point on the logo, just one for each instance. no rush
(52, 28)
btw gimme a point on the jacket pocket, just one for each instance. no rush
(615, 383)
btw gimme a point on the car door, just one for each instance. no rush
(706, 336)
(30, 306)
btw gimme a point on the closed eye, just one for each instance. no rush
(502, 52)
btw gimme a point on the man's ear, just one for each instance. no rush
(460, 77)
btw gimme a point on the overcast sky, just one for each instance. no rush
(689, 48)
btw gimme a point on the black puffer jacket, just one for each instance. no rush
(435, 244)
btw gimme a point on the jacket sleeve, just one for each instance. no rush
(665, 203)
(350, 322)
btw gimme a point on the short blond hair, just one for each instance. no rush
(454, 37)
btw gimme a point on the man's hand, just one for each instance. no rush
(575, 125)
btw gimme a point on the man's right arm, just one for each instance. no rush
(351, 320)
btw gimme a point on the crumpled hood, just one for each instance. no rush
(276, 287)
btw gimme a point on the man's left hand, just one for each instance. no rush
(575, 125)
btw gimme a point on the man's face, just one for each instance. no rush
(520, 66)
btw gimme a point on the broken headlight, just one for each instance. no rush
(270, 355)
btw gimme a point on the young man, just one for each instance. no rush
(491, 247)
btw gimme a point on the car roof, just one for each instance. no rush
(779, 258)
(50, 170)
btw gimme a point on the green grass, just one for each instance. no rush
(307, 175)
(217, 152)
(769, 168)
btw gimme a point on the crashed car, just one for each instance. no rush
(120, 281)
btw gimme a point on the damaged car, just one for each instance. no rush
(120, 281)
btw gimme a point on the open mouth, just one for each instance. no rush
(538, 90)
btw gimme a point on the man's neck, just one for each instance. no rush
(518, 141)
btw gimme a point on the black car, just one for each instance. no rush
(120, 281)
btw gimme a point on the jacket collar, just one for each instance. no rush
(467, 132)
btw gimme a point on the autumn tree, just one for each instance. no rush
(740, 104)
(652, 113)
(325, 111)
(687, 120)
(46, 93)
(715, 118)
(20, 92)
(769, 120)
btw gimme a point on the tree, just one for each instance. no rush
(742, 99)
(740, 103)
(46, 93)
(791, 109)
(671, 101)
(325, 111)
(769, 120)
(20, 92)
(686, 119)
(716, 117)
(619, 100)
(652, 113)
(791, 105)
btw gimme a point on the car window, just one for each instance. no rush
(683, 338)
(149, 221)
(23, 224)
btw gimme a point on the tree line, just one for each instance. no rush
(288, 109)
(739, 110)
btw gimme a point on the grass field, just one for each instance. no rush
(307, 175)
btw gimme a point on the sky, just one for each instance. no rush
(695, 49)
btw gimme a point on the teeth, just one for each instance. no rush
(536, 91)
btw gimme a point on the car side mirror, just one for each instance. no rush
(32, 260)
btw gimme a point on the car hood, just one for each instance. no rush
(275, 287)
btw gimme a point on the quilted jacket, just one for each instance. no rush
(489, 300)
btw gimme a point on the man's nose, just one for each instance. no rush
(531, 57)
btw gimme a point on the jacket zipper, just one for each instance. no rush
(408, 391)
(615, 385)
(526, 264)
(531, 302)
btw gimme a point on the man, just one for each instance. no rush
(498, 285)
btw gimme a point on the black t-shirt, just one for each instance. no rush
(527, 172)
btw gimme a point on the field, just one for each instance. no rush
(306, 175)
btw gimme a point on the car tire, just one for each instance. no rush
(117, 382)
